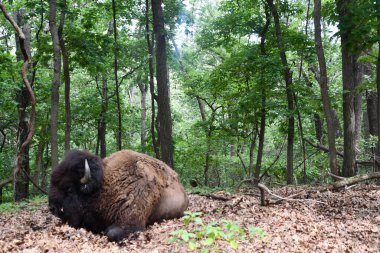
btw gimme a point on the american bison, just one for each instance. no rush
(120, 194)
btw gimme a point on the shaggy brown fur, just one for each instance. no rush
(137, 190)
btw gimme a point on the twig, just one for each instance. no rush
(336, 176)
(264, 188)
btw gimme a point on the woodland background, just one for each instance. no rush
(227, 91)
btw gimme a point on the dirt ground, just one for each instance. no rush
(344, 221)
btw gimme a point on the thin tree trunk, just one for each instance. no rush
(55, 82)
(378, 87)
(21, 184)
(66, 76)
(348, 90)
(164, 111)
(119, 119)
(358, 101)
(39, 165)
(371, 98)
(150, 44)
(251, 151)
(323, 83)
(260, 150)
(289, 93)
(102, 130)
(143, 89)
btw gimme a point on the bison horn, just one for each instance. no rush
(87, 173)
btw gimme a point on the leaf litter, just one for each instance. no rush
(349, 222)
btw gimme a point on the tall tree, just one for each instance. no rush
(119, 123)
(163, 97)
(66, 75)
(55, 82)
(150, 45)
(348, 64)
(263, 52)
(289, 93)
(323, 83)
(21, 184)
(102, 128)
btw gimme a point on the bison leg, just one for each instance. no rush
(116, 233)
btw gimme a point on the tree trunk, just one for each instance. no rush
(66, 76)
(289, 94)
(371, 98)
(358, 101)
(102, 129)
(323, 83)
(39, 166)
(150, 43)
(21, 185)
(143, 89)
(164, 111)
(378, 87)
(260, 150)
(348, 63)
(119, 119)
(55, 83)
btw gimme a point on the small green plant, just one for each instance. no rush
(203, 237)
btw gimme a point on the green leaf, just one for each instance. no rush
(192, 245)
(233, 244)
(209, 241)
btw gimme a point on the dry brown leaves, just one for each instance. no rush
(350, 222)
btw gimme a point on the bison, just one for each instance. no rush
(118, 195)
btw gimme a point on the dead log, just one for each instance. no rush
(352, 180)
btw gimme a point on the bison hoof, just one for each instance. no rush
(115, 233)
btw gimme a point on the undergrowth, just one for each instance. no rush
(201, 237)
(30, 204)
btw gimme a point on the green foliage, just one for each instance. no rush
(203, 237)
(29, 205)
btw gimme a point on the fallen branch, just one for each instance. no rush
(336, 176)
(280, 198)
(353, 180)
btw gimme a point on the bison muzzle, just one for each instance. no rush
(118, 195)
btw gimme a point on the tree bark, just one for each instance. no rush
(164, 110)
(66, 76)
(358, 101)
(150, 44)
(143, 90)
(289, 94)
(24, 146)
(21, 185)
(371, 98)
(260, 150)
(348, 63)
(378, 87)
(119, 119)
(102, 130)
(55, 82)
(323, 83)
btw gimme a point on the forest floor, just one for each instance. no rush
(346, 221)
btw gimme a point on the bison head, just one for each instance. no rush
(74, 183)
